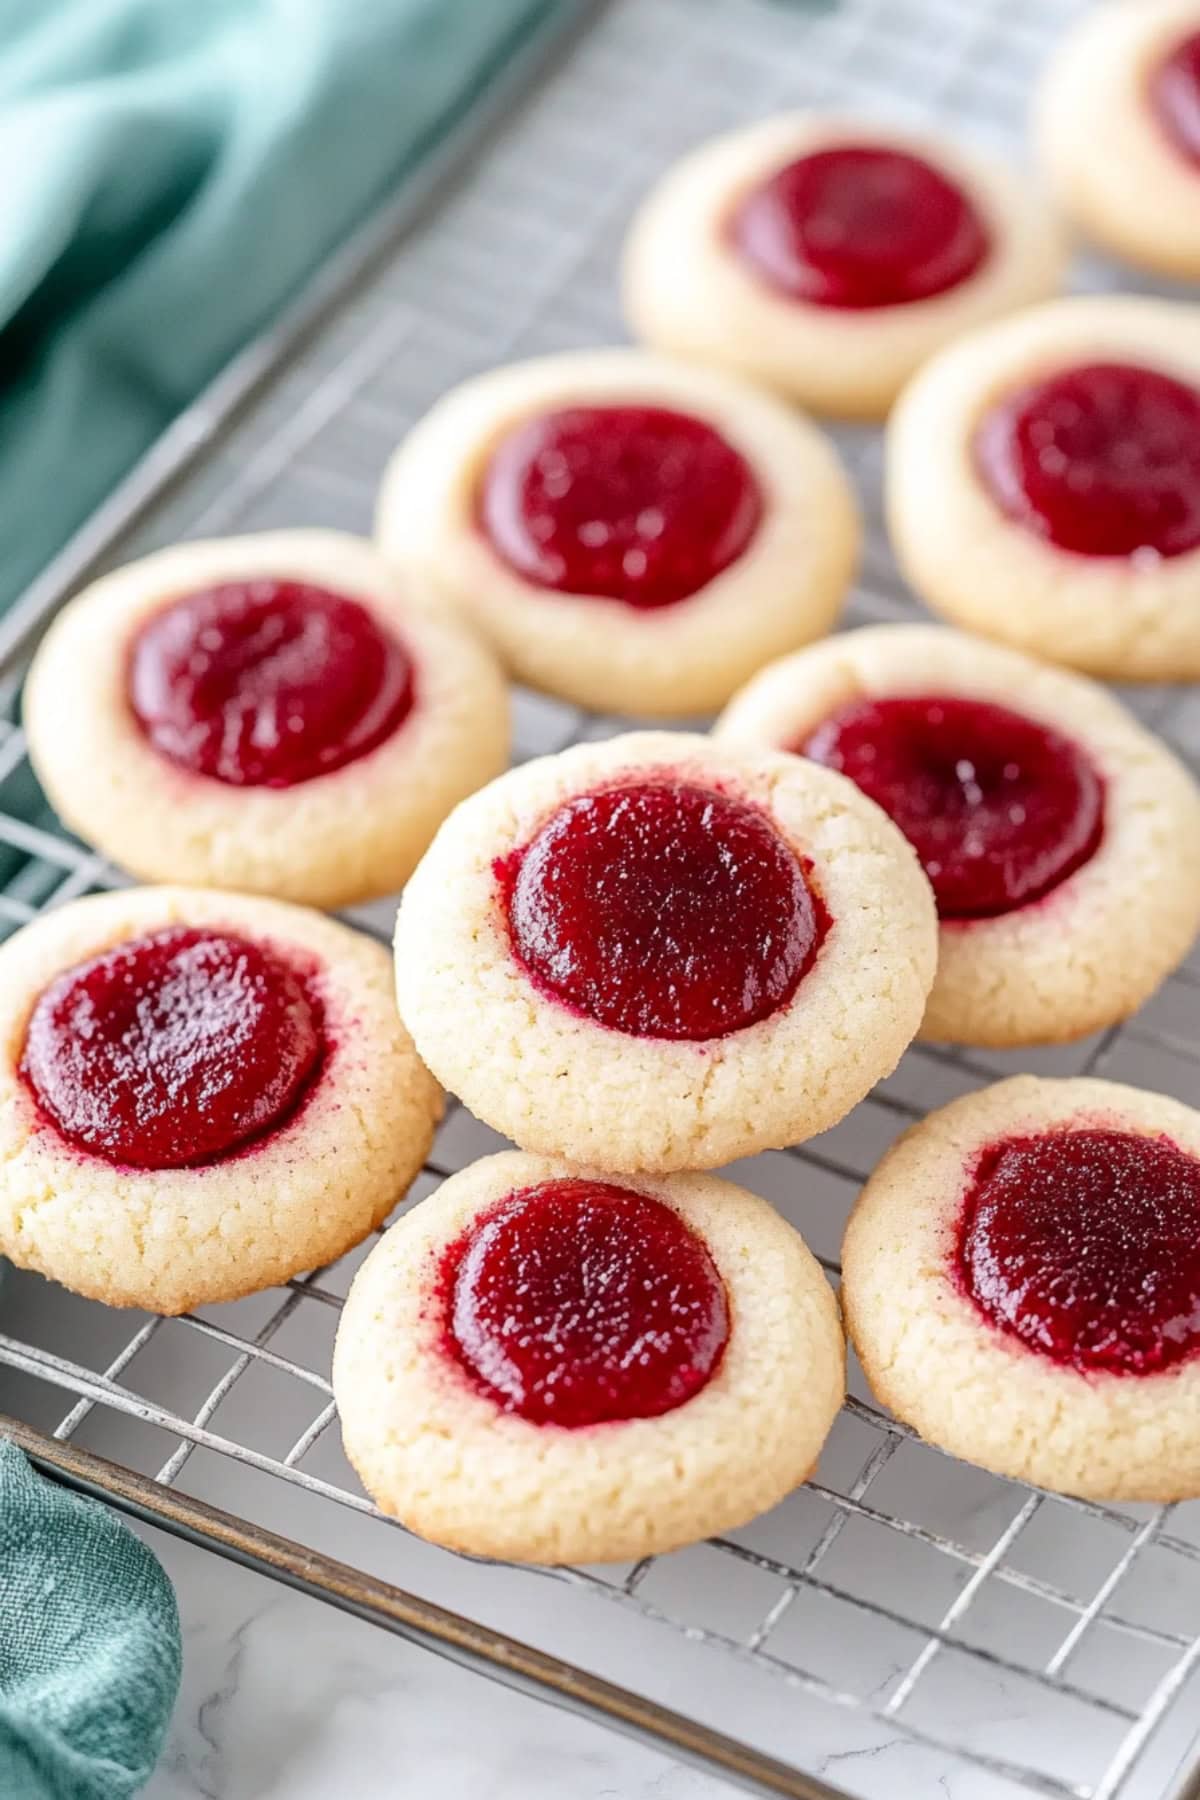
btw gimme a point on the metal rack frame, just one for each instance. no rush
(515, 258)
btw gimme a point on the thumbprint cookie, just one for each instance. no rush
(827, 258)
(556, 1366)
(1062, 840)
(1118, 128)
(269, 713)
(201, 1095)
(662, 953)
(1043, 485)
(1021, 1279)
(631, 533)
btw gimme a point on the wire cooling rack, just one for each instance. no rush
(902, 1624)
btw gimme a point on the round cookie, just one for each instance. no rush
(1022, 1284)
(201, 1095)
(661, 953)
(632, 533)
(551, 1366)
(269, 713)
(1043, 485)
(828, 257)
(1061, 838)
(1117, 124)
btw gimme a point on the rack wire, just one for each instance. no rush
(902, 1623)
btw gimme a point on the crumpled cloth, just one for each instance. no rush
(173, 169)
(89, 1644)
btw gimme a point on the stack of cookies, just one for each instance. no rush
(657, 953)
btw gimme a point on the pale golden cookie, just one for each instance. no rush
(688, 288)
(314, 1178)
(545, 1451)
(1105, 128)
(1021, 1282)
(1132, 616)
(1085, 949)
(350, 833)
(781, 532)
(662, 953)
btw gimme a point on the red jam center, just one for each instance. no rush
(1086, 1246)
(1175, 97)
(662, 910)
(630, 503)
(1103, 460)
(857, 227)
(267, 683)
(576, 1303)
(173, 1049)
(999, 809)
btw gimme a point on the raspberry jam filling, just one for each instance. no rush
(1085, 1245)
(174, 1049)
(1102, 460)
(267, 683)
(662, 910)
(856, 227)
(630, 503)
(579, 1303)
(1174, 96)
(999, 809)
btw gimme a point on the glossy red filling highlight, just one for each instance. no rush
(630, 503)
(1085, 1245)
(1102, 460)
(174, 1049)
(267, 683)
(856, 227)
(999, 809)
(579, 1303)
(1174, 97)
(662, 910)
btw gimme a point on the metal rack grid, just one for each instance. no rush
(902, 1619)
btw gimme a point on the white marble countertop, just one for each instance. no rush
(284, 1698)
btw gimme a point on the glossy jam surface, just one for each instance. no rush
(1102, 460)
(1174, 96)
(174, 1049)
(578, 1303)
(662, 910)
(857, 227)
(999, 809)
(267, 683)
(630, 503)
(1085, 1244)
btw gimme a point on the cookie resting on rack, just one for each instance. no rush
(1043, 485)
(1118, 127)
(662, 953)
(632, 533)
(1021, 1280)
(828, 257)
(558, 1366)
(1061, 838)
(201, 1095)
(270, 713)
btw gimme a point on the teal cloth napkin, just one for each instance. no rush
(173, 169)
(89, 1645)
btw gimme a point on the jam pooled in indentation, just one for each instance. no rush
(630, 503)
(1085, 1245)
(1102, 460)
(999, 809)
(1174, 96)
(663, 910)
(267, 683)
(174, 1049)
(579, 1303)
(857, 226)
